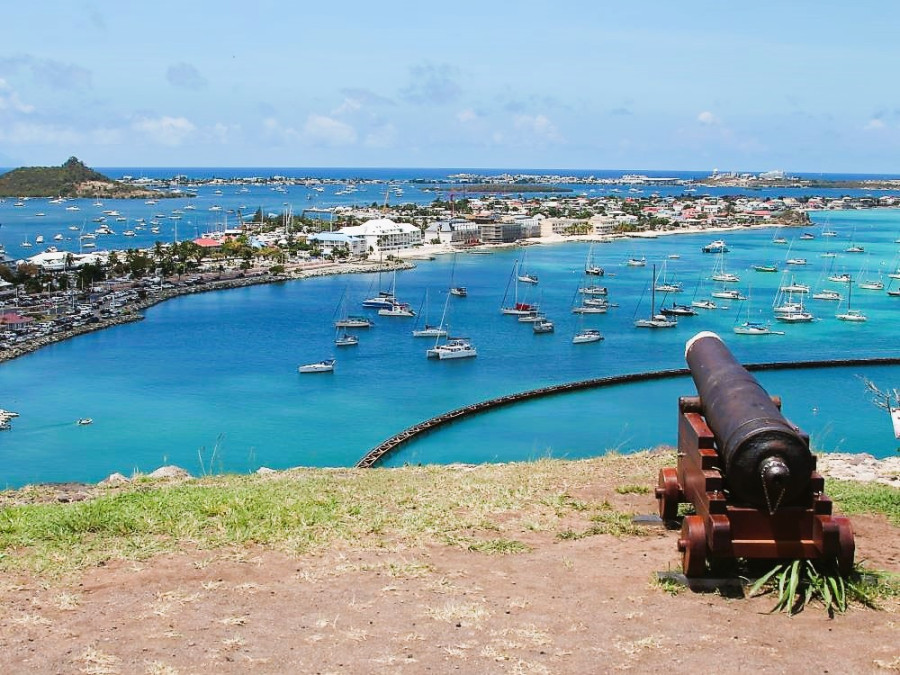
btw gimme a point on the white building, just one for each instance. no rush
(382, 235)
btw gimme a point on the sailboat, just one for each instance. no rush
(665, 285)
(458, 291)
(791, 312)
(346, 340)
(719, 273)
(590, 267)
(428, 330)
(345, 320)
(525, 277)
(853, 315)
(516, 308)
(749, 327)
(655, 320)
(866, 284)
(384, 299)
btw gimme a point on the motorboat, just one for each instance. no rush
(346, 340)
(826, 294)
(84, 421)
(542, 326)
(636, 262)
(593, 290)
(807, 235)
(587, 335)
(796, 316)
(397, 309)
(678, 310)
(795, 261)
(326, 366)
(352, 321)
(459, 291)
(765, 268)
(454, 348)
(585, 308)
(531, 317)
(527, 278)
(384, 300)
(728, 294)
(755, 328)
(704, 304)
(717, 246)
(656, 321)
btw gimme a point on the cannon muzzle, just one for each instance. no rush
(767, 462)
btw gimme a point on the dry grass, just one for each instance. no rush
(487, 508)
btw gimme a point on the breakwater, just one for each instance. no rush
(379, 452)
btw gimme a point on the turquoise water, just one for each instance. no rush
(210, 381)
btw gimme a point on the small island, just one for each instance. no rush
(72, 179)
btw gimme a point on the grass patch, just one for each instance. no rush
(297, 511)
(853, 497)
(500, 547)
(633, 490)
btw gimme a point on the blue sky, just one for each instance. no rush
(799, 86)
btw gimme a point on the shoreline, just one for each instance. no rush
(403, 259)
(254, 278)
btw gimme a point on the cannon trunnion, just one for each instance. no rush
(747, 472)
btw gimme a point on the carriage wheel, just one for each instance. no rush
(692, 545)
(668, 494)
(847, 545)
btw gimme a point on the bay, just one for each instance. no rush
(209, 381)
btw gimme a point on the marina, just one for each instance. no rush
(230, 377)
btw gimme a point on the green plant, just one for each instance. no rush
(633, 489)
(797, 583)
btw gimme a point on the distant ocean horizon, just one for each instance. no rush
(413, 173)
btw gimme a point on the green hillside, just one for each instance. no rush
(72, 179)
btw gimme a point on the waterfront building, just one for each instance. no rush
(452, 231)
(380, 235)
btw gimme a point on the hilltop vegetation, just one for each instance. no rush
(72, 179)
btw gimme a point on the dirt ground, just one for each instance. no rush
(567, 606)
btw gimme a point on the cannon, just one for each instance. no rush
(747, 471)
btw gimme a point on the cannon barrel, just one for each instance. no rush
(767, 462)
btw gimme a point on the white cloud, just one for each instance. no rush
(321, 130)
(171, 131)
(348, 105)
(538, 126)
(466, 116)
(707, 118)
(874, 125)
(9, 99)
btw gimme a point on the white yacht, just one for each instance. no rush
(397, 309)
(542, 326)
(454, 348)
(587, 335)
(325, 366)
